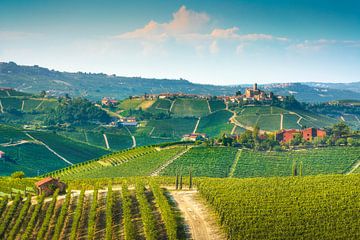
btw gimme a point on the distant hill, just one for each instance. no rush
(94, 86)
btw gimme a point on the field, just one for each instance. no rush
(106, 213)
(203, 161)
(73, 151)
(216, 105)
(173, 128)
(314, 161)
(269, 118)
(186, 107)
(135, 165)
(215, 124)
(318, 207)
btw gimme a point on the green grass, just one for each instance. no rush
(216, 105)
(190, 107)
(31, 104)
(204, 161)
(14, 103)
(315, 161)
(318, 207)
(216, 123)
(119, 142)
(130, 104)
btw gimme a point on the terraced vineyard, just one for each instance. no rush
(314, 161)
(186, 107)
(106, 213)
(173, 128)
(216, 123)
(203, 161)
(269, 118)
(317, 207)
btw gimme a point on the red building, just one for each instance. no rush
(48, 186)
(307, 134)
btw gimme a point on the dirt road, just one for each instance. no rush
(202, 225)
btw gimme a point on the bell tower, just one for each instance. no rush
(255, 87)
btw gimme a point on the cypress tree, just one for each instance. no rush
(190, 178)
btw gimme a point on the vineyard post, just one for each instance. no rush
(177, 180)
(190, 178)
(181, 182)
(294, 172)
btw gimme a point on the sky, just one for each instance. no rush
(216, 42)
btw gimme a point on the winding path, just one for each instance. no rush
(201, 224)
(1, 107)
(106, 141)
(353, 168)
(132, 137)
(197, 125)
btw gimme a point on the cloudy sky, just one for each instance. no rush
(218, 42)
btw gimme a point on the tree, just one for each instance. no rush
(340, 130)
(18, 174)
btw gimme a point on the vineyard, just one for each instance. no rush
(313, 162)
(203, 161)
(112, 212)
(188, 107)
(215, 124)
(317, 207)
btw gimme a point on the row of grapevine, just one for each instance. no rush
(20, 218)
(166, 211)
(146, 213)
(92, 215)
(77, 215)
(48, 216)
(129, 228)
(61, 218)
(109, 215)
(34, 217)
(9, 215)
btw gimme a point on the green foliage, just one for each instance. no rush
(109, 215)
(216, 123)
(9, 215)
(49, 213)
(190, 107)
(147, 216)
(205, 161)
(61, 218)
(18, 174)
(92, 215)
(167, 215)
(76, 111)
(129, 228)
(315, 161)
(276, 208)
(77, 216)
(34, 217)
(20, 218)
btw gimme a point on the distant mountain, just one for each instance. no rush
(94, 86)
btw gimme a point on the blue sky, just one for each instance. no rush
(218, 42)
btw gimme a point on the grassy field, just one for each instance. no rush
(190, 107)
(204, 161)
(315, 161)
(216, 123)
(319, 207)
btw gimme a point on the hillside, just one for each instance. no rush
(97, 85)
(36, 152)
(214, 162)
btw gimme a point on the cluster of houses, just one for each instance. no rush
(283, 136)
(307, 134)
(108, 102)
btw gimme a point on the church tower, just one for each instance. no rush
(255, 87)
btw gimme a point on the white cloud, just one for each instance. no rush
(191, 27)
(316, 45)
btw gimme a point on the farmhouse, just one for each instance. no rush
(194, 137)
(307, 134)
(48, 186)
(2, 155)
(108, 102)
(127, 121)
